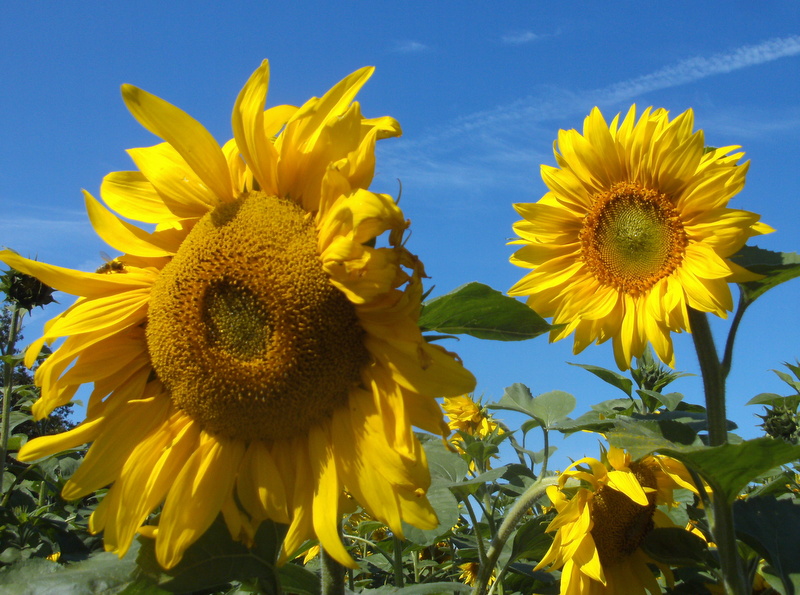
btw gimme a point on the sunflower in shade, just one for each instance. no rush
(258, 353)
(601, 525)
(634, 230)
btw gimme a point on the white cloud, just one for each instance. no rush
(409, 47)
(509, 133)
(555, 103)
(520, 37)
(701, 67)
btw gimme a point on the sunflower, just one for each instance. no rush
(600, 526)
(258, 353)
(469, 574)
(634, 230)
(467, 416)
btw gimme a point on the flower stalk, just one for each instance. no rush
(523, 503)
(332, 574)
(714, 387)
(8, 382)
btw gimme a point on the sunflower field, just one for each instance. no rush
(271, 404)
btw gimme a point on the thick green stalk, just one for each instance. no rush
(399, 577)
(8, 385)
(332, 574)
(722, 526)
(523, 503)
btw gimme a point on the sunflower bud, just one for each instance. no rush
(781, 422)
(25, 291)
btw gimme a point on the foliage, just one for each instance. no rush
(488, 487)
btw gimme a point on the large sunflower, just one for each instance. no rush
(601, 524)
(257, 354)
(634, 229)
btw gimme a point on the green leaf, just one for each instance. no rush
(421, 589)
(641, 437)
(613, 378)
(216, 559)
(552, 407)
(478, 310)
(772, 528)
(516, 397)
(766, 399)
(530, 541)
(730, 467)
(443, 463)
(670, 400)
(296, 579)
(446, 506)
(16, 418)
(675, 546)
(591, 421)
(483, 478)
(100, 573)
(16, 441)
(777, 268)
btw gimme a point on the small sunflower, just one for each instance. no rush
(634, 230)
(467, 416)
(469, 574)
(258, 353)
(600, 526)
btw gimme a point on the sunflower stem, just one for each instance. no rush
(722, 526)
(474, 519)
(399, 577)
(713, 380)
(727, 357)
(8, 384)
(523, 503)
(332, 574)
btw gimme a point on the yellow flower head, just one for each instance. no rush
(635, 228)
(258, 353)
(465, 415)
(600, 526)
(469, 574)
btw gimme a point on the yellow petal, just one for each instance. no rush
(326, 514)
(131, 195)
(197, 496)
(626, 482)
(75, 282)
(122, 235)
(192, 141)
(248, 129)
(181, 189)
(148, 475)
(260, 485)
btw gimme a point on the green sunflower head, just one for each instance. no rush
(25, 291)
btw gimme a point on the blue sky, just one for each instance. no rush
(480, 92)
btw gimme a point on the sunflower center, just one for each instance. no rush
(245, 329)
(620, 525)
(632, 237)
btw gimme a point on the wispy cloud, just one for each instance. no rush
(701, 67)
(510, 129)
(521, 37)
(409, 46)
(537, 108)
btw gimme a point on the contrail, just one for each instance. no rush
(697, 68)
(538, 108)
